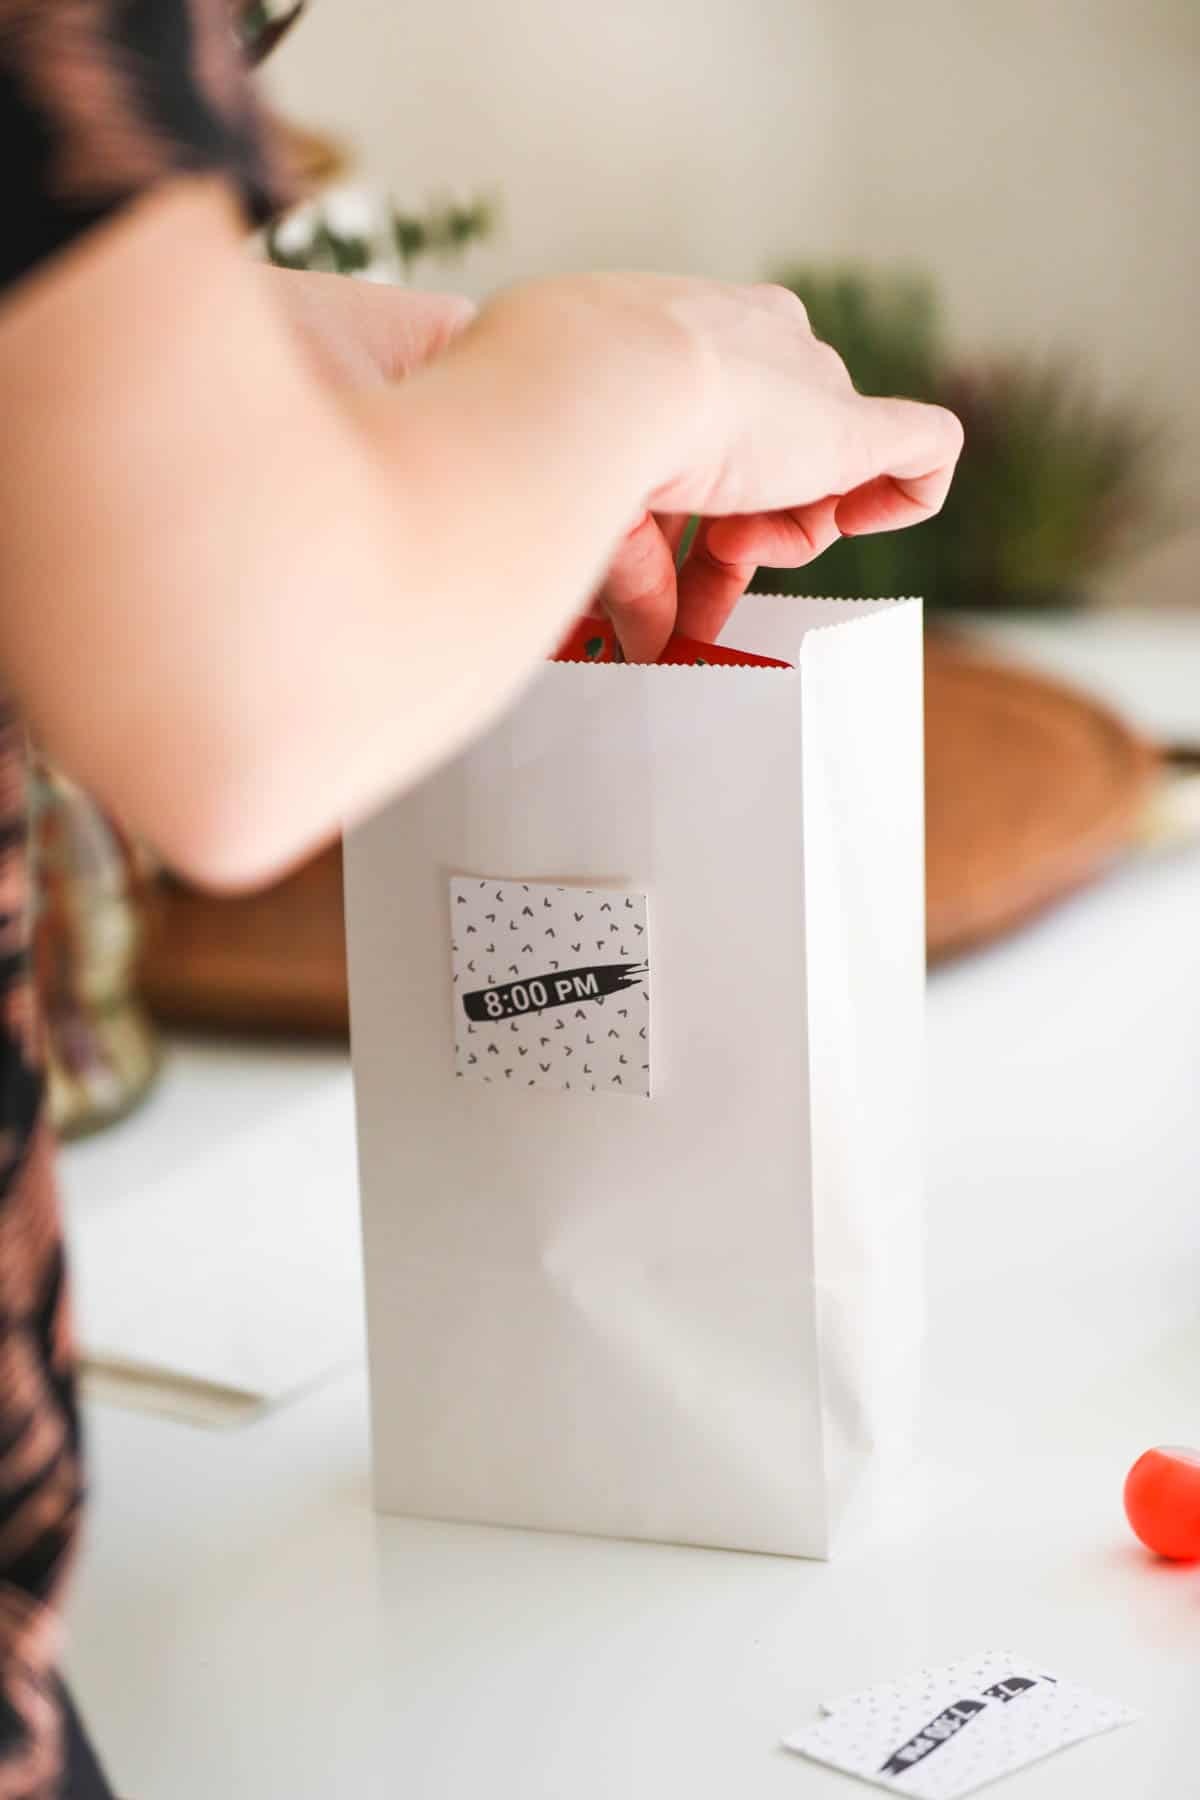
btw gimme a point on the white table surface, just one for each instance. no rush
(244, 1625)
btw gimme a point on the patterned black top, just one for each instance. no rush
(99, 99)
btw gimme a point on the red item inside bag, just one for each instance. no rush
(594, 640)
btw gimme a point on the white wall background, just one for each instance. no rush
(1041, 157)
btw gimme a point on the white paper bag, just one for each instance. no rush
(684, 1306)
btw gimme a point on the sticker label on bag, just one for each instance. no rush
(551, 986)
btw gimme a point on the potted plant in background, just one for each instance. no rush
(1031, 788)
(1056, 483)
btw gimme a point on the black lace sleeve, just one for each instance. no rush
(99, 99)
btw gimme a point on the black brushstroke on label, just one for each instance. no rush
(1009, 1688)
(939, 1731)
(949, 1723)
(560, 987)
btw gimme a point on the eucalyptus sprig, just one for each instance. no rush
(444, 230)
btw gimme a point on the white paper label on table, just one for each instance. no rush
(941, 1733)
(551, 986)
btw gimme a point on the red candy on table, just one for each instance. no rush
(1162, 1501)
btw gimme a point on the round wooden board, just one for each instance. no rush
(1031, 789)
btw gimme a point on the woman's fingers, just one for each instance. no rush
(889, 502)
(639, 593)
(901, 464)
(914, 449)
(647, 601)
(879, 505)
(710, 586)
(782, 540)
(728, 551)
(673, 526)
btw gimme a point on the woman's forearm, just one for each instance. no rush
(241, 606)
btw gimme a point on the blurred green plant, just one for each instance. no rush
(1055, 485)
(317, 236)
(443, 231)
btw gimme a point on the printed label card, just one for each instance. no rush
(942, 1733)
(551, 986)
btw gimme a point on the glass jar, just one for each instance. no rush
(102, 1053)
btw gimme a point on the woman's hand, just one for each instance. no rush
(778, 452)
(891, 460)
(304, 581)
